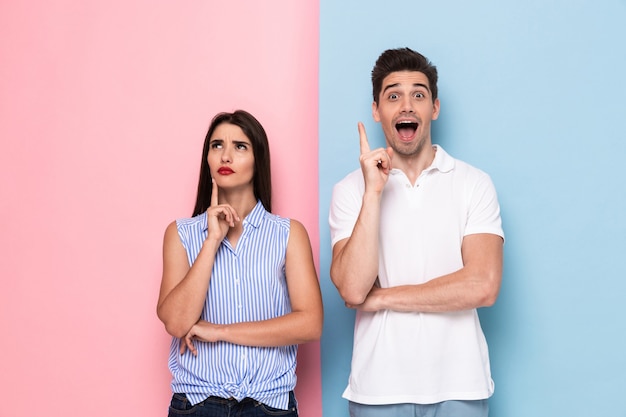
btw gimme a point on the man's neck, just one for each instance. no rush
(414, 165)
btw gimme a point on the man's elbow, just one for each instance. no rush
(352, 297)
(349, 293)
(488, 300)
(489, 294)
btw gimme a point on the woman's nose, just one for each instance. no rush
(226, 154)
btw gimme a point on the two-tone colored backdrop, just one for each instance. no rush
(103, 109)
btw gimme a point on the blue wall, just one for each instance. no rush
(534, 93)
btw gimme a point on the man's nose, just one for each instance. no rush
(407, 104)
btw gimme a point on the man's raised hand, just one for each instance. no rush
(375, 164)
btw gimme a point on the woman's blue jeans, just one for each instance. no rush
(222, 407)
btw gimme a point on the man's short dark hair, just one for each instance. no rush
(402, 59)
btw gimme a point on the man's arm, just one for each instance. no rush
(475, 285)
(354, 266)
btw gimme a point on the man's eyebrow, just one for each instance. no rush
(414, 85)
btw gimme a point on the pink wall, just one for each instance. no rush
(103, 110)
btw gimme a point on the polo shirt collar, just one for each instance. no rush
(442, 162)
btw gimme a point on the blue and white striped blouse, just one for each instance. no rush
(247, 284)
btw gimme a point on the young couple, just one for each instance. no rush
(417, 248)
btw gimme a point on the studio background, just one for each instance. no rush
(531, 92)
(103, 111)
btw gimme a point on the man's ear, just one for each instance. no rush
(375, 114)
(436, 109)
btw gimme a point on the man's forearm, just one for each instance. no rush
(354, 267)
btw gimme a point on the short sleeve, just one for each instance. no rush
(483, 210)
(345, 205)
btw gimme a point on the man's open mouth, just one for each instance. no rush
(406, 129)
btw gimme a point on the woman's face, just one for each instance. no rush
(231, 157)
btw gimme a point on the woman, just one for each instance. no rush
(239, 290)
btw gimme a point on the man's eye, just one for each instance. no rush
(393, 96)
(419, 95)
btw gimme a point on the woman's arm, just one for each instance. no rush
(183, 289)
(303, 324)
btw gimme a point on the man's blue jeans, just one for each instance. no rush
(222, 407)
(477, 408)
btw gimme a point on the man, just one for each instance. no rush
(417, 248)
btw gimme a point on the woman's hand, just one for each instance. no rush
(220, 217)
(202, 331)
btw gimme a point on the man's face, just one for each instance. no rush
(405, 109)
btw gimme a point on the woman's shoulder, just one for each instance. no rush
(200, 219)
(185, 226)
(296, 226)
(298, 236)
(260, 213)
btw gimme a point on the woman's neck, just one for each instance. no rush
(242, 202)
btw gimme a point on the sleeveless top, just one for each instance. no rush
(247, 284)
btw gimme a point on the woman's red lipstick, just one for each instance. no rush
(225, 171)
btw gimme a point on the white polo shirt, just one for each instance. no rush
(420, 358)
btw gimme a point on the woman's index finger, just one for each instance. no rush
(214, 199)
